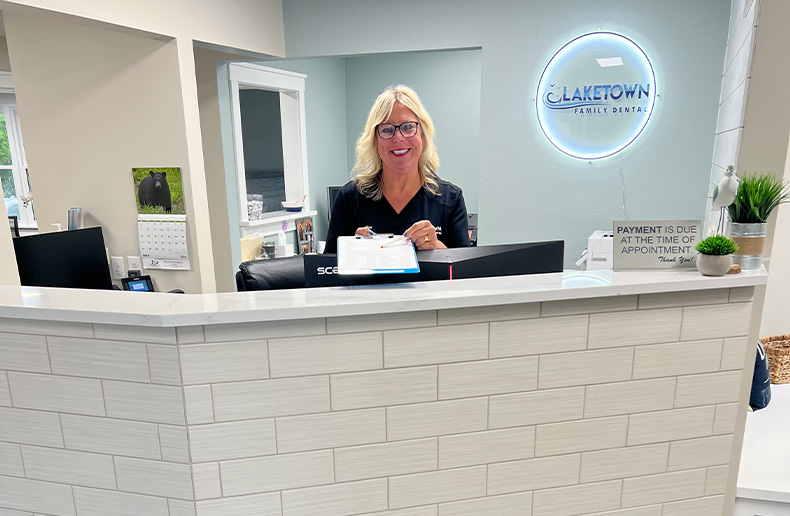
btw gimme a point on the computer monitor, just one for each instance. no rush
(467, 262)
(66, 259)
(331, 195)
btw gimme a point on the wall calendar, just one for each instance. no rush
(163, 241)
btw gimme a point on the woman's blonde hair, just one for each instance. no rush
(367, 169)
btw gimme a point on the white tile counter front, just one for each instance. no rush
(582, 393)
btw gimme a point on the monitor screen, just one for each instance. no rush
(138, 286)
(331, 194)
(66, 259)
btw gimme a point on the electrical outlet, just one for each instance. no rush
(134, 263)
(117, 267)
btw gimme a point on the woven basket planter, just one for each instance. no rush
(777, 348)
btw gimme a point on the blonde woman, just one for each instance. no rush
(395, 188)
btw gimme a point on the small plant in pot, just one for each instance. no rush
(714, 255)
(758, 195)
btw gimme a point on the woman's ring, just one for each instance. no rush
(427, 238)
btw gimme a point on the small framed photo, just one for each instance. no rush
(304, 235)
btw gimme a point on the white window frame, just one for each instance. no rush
(291, 87)
(16, 146)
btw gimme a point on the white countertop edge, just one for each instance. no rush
(170, 310)
(763, 495)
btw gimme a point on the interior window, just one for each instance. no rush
(13, 168)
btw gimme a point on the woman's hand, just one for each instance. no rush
(423, 234)
(364, 232)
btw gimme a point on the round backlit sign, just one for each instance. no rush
(596, 95)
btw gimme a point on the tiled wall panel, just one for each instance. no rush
(57, 393)
(11, 460)
(531, 408)
(337, 499)
(384, 460)
(5, 391)
(205, 478)
(113, 436)
(621, 406)
(288, 471)
(69, 467)
(403, 348)
(99, 359)
(260, 505)
(315, 432)
(632, 461)
(517, 504)
(143, 402)
(269, 398)
(33, 495)
(456, 451)
(236, 440)
(154, 477)
(23, 353)
(487, 377)
(437, 486)
(95, 502)
(664, 487)
(30, 427)
(533, 474)
(224, 362)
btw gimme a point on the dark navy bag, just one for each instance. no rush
(761, 382)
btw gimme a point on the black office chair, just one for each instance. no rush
(13, 221)
(272, 274)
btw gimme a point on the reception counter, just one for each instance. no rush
(577, 393)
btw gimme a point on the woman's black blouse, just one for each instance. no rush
(447, 212)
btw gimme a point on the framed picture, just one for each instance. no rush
(304, 235)
(158, 191)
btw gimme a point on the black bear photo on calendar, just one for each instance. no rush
(158, 190)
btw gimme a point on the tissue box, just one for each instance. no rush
(600, 250)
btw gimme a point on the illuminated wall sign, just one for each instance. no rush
(596, 95)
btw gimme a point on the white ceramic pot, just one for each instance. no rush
(714, 265)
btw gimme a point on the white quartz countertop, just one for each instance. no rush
(168, 310)
(765, 458)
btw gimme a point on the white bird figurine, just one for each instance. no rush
(725, 191)
(724, 194)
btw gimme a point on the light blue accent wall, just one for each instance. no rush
(528, 190)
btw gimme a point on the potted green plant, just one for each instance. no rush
(757, 196)
(715, 255)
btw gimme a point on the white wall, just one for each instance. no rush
(94, 104)
(111, 92)
(764, 148)
(251, 25)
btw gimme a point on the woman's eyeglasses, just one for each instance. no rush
(387, 131)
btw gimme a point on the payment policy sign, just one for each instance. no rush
(655, 244)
